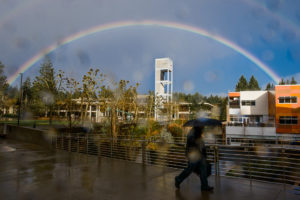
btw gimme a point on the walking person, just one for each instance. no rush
(197, 159)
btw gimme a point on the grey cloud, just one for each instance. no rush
(120, 51)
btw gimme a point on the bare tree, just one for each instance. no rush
(91, 83)
(123, 103)
(72, 91)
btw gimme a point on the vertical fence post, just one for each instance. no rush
(78, 144)
(70, 143)
(51, 141)
(111, 147)
(52, 145)
(249, 167)
(62, 143)
(215, 160)
(87, 144)
(56, 138)
(99, 147)
(129, 149)
(143, 151)
(283, 167)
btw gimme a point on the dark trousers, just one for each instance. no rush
(199, 167)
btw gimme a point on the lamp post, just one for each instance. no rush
(20, 98)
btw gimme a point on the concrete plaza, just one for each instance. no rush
(30, 172)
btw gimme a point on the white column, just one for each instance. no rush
(168, 85)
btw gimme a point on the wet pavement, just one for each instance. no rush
(30, 172)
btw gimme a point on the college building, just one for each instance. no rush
(264, 113)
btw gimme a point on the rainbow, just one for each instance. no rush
(122, 24)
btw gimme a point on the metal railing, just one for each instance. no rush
(262, 160)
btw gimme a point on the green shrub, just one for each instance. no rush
(175, 130)
(10, 116)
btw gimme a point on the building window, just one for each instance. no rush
(288, 120)
(234, 102)
(248, 103)
(288, 99)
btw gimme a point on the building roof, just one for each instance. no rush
(234, 94)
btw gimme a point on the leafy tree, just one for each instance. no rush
(242, 84)
(12, 92)
(219, 106)
(3, 87)
(104, 96)
(91, 83)
(3, 81)
(293, 81)
(253, 84)
(27, 92)
(71, 89)
(158, 105)
(223, 108)
(150, 104)
(47, 85)
(123, 102)
(215, 104)
(11, 97)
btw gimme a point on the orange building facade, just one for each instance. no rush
(287, 99)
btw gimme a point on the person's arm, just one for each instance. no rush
(190, 143)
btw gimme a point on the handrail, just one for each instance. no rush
(255, 160)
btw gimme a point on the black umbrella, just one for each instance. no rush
(203, 122)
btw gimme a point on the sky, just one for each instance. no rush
(267, 29)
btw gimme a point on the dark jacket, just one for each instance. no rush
(194, 144)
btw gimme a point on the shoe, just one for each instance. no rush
(207, 188)
(177, 183)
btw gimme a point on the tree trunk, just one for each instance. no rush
(81, 109)
(86, 109)
(136, 113)
(114, 123)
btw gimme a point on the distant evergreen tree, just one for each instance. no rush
(242, 84)
(287, 82)
(293, 81)
(46, 82)
(270, 86)
(253, 84)
(27, 91)
(282, 82)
